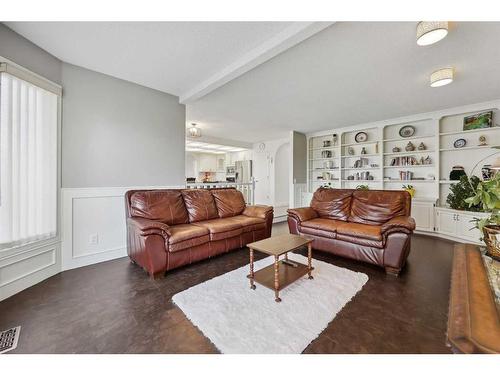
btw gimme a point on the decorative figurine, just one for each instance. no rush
(421, 146)
(410, 147)
(482, 141)
(396, 149)
(363, 151)
(486, 172)
(335, 139)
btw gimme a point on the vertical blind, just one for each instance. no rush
(28, 162)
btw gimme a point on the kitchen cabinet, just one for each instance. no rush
(207, 163)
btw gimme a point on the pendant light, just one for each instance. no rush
(194, 132)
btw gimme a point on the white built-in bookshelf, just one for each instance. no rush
(387, 164)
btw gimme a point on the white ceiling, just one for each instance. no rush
(174, 57)
(353, 73)
(349, 73)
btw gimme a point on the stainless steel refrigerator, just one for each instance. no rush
(243, 171)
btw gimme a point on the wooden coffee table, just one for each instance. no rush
(280, 274)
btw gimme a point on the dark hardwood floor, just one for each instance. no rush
(113, 307)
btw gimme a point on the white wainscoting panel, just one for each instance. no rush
(298, 192)
(23, 267)
(93, 224)
(280, 213)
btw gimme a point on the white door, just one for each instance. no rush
(446, 222)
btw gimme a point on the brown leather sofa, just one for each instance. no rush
(167, 229)
(373, 226)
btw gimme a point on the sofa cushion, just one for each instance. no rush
(332, 203)
(377, 206)
(185, 232)
(370, 232)
(199, 204)
(365, 245)
(229, 202)
(166, 206)
(320, 227)
(221, 229)
(250, 223)
(189, 243)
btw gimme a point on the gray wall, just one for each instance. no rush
(299, 162)
(21, 51)
(117, 133)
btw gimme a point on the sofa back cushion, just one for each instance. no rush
(229, 202)
(332, 203)
(166, 206)
(378, 206)
(199, 204)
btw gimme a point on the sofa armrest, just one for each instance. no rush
(259, 211)
(146, 227)
(399, 224)
(303, 214)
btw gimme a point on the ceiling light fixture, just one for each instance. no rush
(430, 32)
(193, 131)
(442, 77)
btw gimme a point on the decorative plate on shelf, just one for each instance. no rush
(459, 143)
(406, 131)
(361, 137)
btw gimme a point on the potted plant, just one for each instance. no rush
(362, 187)
(410, 189)
(487, 195)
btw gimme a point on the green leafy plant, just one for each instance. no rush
(487, 196)
(460, 191)
(362, 187)
(410, 189)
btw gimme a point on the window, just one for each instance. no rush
(28, 161)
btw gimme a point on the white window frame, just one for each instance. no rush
(20, 72)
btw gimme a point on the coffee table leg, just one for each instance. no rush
(309, 260)
(276, 279)
(252, 285)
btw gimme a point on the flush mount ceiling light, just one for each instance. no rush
(442, 77)
(430, 32)
(193, 131)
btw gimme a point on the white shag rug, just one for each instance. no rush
(240, 320)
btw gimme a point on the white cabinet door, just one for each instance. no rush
(423, 213)
(465, 228)
(446, 222)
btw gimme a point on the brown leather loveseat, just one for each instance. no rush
(373, 226)
(167, 229)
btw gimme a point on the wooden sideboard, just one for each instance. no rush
(473, 318)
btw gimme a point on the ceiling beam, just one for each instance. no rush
(284, 40)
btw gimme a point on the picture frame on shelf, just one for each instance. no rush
(478, 121)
